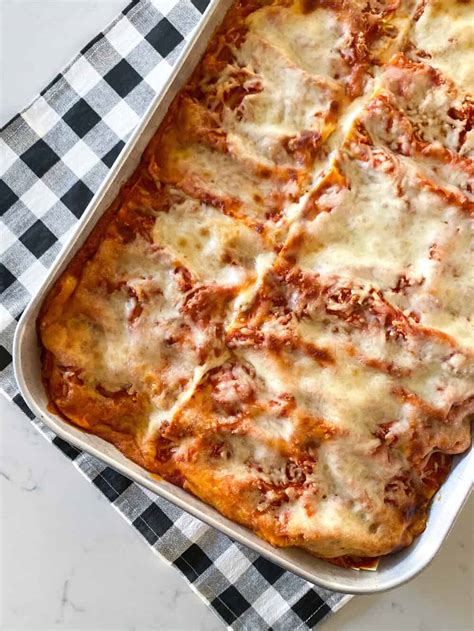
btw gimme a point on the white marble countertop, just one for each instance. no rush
(67, 560)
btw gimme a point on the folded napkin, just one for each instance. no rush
(53, 157)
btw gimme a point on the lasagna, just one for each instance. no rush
(276, 313)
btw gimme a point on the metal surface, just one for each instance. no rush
(394, 569)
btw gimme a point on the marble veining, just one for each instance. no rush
(67, 602)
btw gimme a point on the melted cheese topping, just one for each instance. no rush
(214, 247)
(276, 312)
(390, 184)
(313, 41)
(445, 34)
(429, 104)
(375, 208)
(291, 106)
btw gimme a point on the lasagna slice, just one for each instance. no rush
(442, 34)
(139, 315)
(341, 40)
(358, 395)
(395, 208)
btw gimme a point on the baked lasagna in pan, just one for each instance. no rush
(277, 311)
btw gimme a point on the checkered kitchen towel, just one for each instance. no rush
(53, 157)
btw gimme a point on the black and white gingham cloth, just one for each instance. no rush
(53, 157)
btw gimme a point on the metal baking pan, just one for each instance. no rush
(394, 569)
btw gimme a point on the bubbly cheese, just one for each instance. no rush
(290, 107)
(397, 214)
(314, 41)
(350, 234)
(214, 247)
(222, 176)
(434, 108)
(445, 33)
(126, 336)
